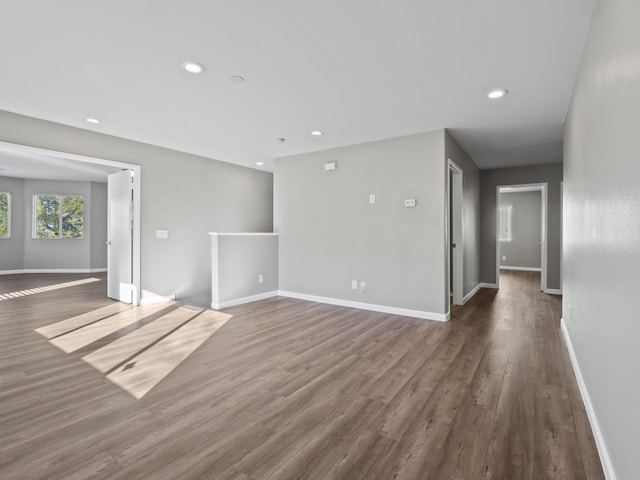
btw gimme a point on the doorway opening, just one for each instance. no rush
(521, 229)
(130, 250)
(455, 235)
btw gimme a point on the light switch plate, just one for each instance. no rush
(162, 234)
(410, 202)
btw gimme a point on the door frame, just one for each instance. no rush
(454, 220)
(137, 180)
(524, 187)
(561, 232)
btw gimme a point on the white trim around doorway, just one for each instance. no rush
(453, 210)
(528, 187)
(136, 196)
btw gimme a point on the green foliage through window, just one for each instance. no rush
(5, 214)
(58, 216)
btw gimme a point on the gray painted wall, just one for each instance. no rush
(602, 227)
(471, 212)
(12, 249)
(240, 260)
(63, 253)
(489, 180)
(526, 227)
(186, 194)
(98, 225)
(331, 235)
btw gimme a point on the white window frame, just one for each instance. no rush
(35, 215)
(8, 194)
(505, 223)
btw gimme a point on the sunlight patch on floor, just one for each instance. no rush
(48, 288)
(79, 321)
(138, 361)
(118, 351)
(84, 336)
(146, 370)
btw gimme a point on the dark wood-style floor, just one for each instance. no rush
(290, 389)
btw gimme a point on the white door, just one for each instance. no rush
(456, 233)
(120, 237)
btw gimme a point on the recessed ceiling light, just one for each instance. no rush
(193, 67)
(316, 133)
(499, 93)
(236, 79)
(259, 163)
(92, 120)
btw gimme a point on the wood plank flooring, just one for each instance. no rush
(287, 389)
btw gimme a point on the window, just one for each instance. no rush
(57, 216)
(5, 215)
(505, 223)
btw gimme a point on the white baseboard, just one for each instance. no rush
(440, 317)
(488, 285)
(552, 291)
(605, 459)
(53, 270)
(468, 296)
(240, 301)
(523, 269)
(148, 298)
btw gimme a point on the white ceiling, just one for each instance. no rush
(38, 165)
(359, 70)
